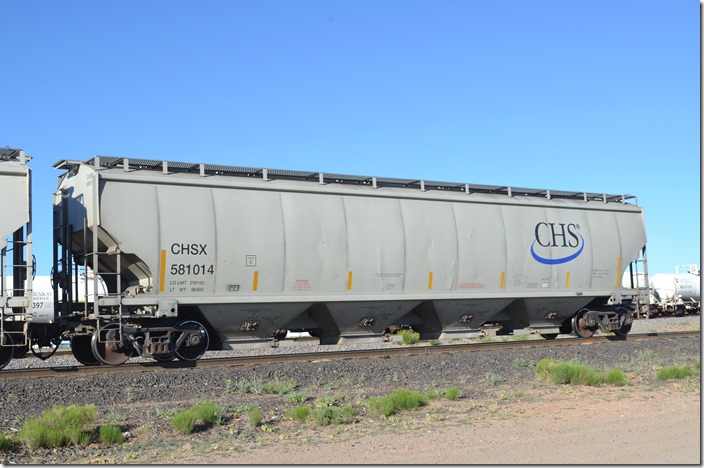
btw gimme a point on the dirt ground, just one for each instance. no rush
(548, 425)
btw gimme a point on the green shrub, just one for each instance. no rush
(296, 397)
(7, 444)
(333, 415)
(381, 405)
(208, 413)
(492, 379)
(184, 422)
(580, 374)
(111, 435)
(402, 399)
(561, 372)
(59, 426)
(280, 388)
(616, 377)
(453, 393)
(409, 336)
(299, 413)
(675, 372)
(254, 386)
(255, 416)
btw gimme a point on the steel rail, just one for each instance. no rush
(238, 361)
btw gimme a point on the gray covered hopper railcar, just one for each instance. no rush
(15, 249)
(199, 257)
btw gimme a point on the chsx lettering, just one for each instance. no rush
(189, 249)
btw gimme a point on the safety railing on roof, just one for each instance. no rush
(168, 167)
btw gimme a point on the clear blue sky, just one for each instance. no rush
(597, 96)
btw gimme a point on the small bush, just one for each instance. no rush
(381, 405)
(184, 422)
(7, 444)
(333, 415)
(492, 379)
(409, 336)
(207, 413)
(280, 388)
(254, 386)
(59, 426)
(616, 377)
(299, 413)
(675, 372)
(400, 400)
(111, 435)
(255, 416)
(453, 393)
(561, 372)
(296, 397)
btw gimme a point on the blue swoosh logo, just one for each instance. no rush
(555, 261)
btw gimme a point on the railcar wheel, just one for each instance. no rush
(195, 344)
(549, 336)
(6, 350)
(108, 348)
(578, 326)
(81, 350)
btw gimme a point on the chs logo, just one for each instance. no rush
(563, 236)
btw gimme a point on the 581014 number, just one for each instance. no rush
(185, 269)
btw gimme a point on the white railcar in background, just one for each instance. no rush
(669, 293)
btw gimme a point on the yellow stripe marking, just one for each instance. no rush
(567, 280)
(162, 270)
(430, 280)
(503, 279)
(349, 281)
(618, 273)
(255, 281)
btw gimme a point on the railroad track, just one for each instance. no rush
(149, 366)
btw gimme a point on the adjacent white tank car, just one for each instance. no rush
(667, 293)
(676, 293)
(199, 256)
(190, 257)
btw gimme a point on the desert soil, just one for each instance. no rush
(575, 425)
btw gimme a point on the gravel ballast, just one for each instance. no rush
(133, 398)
